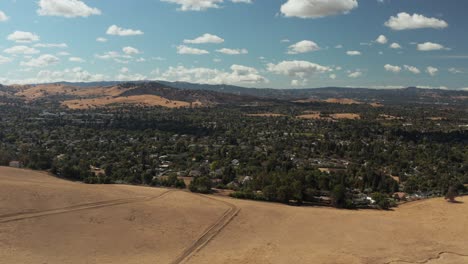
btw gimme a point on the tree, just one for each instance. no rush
(338, 196)
(200, 185)
(381, 200)
(451, 194)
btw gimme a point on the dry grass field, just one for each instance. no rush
(266, 115)
(143, 100)
(48, 220)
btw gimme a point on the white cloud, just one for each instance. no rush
(195, 5)
(317, 8)
(130, 51)
(238, 74)
(432, 70)
(118, 31)
(412, 69)
(41, 61)
(23, 37)
(51, 45)
(392, 68)
(201, 5)
(63, 53)
(115, 56)
(454, 70)
(124, 70)
(382, 39)
(232, 51)
(4, 59)
(353, 53)
(405, 21)
(429, 46)
(297, 69)
(285, 41)
(182, 49)
(395, 45)
(101, 40)
(332, 76)
(205, 38)
(3, 16)
(21, 50)
(303, 47)
(76, 59)
(70, 75)
(131, 77)
(66, 8)
(339, 46)
(355, 74)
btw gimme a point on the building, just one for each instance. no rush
(16, 164)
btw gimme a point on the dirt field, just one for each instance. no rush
(47, 220)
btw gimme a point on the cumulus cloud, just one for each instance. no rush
(303, 47)
(395, 45)
(4, 59)
(297, 69)
(118, 31)
(41, 61)
(23, 37)
(238, 74)
(66, 8)
(130, 51)
(115, 56)
(382, 39)
(205, 38)
(130, 77)
(392, 68)
(232, 51)
(412, 69)
(182, 49)
(432, 70)
(429, 46)
(353, 53)
(21, 50)
(201, 5)
(76, 59)
(454, 70)
(317, 8)
(3, 16)
(405, 21)
(355, 74)
(51, 45)
(190, 5)
(101, 40)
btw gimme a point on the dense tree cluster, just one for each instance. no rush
(280, 159)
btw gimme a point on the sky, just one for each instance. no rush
(251, 43)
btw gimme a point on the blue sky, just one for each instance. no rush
(254, 43)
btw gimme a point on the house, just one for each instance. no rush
(16, 164)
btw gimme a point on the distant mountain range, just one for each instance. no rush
(183, 93)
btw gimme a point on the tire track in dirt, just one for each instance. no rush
(80, 207)
(438, 256)
(209, 233)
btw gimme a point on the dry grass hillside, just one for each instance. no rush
(47, 220)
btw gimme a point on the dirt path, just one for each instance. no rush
(438, 256)
(27, 215)
(210, 233)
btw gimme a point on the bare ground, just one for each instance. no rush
(47, 220)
